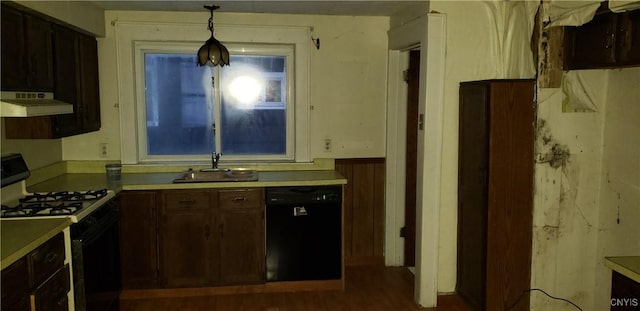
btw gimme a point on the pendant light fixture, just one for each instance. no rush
(213, 53)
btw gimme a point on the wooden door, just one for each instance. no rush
(413, 94)
(472, 193)
(187, 239)
(241, 234)
(139, 239)
(14, 76)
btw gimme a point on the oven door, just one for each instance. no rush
(96, 260)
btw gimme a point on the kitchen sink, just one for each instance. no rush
(217, 175)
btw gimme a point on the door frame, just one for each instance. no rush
(427, 32)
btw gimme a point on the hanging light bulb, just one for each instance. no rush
(213, 53)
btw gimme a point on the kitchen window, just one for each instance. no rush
(169, 106)
(242, 111)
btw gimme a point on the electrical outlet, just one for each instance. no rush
(104, 150)
(327, 145)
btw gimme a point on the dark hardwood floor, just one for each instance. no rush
(367, 289)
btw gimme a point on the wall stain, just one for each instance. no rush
(548, 150)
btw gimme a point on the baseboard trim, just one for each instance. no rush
(272, 287)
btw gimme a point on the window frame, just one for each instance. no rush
(132, 33)
(182, 48)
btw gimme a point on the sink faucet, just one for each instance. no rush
(215, 159)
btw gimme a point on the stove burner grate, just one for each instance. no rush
(51, 203)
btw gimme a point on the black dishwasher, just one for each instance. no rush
(304, 233)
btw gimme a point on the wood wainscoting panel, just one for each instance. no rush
(364, 210)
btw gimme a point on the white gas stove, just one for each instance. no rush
(17, 203)
(92, 239)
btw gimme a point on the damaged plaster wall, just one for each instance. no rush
(619, 220)
(587, 190)
(566, 199)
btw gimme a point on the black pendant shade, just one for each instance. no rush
(213, 53)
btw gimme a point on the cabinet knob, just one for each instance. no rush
(51, 257)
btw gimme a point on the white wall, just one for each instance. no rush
(620, 181)
(348, 82)
(37, 153)
(576, 202)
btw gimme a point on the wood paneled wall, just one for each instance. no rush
(364, 210)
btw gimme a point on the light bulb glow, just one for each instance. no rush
(245, 89)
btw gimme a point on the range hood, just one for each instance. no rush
(31, 104)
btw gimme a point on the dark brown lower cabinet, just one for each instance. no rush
(495, 193)
(187, 239)
(139, 239)
(241, 232)
(192, 238)
(38, 281)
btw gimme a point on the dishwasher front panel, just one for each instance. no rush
(304, 242)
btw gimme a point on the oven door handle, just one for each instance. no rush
(98, 229)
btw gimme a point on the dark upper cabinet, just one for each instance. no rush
(27, 63)
(13, 73)
(66, 58)
(609, 40)
(76, 73)
(75, 69)
(90, 90)
(628, 43)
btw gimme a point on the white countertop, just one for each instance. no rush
(628, 266)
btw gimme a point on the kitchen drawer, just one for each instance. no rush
(241, 198)
(187, 200)
(17, 275)
(52, 294)
(46, 259)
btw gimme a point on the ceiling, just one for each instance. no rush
(349, 8)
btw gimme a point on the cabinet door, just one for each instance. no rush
(76, 71)
(628, 38)
(591, 45)
(510, 194)
(472, 193)
(241, 235)
(15, 297)
(65, 47)
(46, 259)
(14, 76)
(89, 95)
(187, 241)
(138, 239)
(52, 294)
(39, 61)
